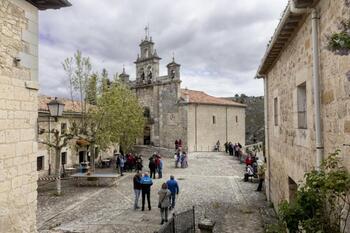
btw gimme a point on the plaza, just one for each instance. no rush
(213, 183)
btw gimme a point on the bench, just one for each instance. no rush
(97, 176)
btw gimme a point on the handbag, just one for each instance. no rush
(160, 203)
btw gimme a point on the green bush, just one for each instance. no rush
(321, 202)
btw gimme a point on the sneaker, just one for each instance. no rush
(149, 208)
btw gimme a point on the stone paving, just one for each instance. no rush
(212, 183)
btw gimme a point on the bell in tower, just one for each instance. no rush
(173, 70)
(147, 65)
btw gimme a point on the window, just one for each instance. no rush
(64, 158)
(63, 128)
(275, 111)
(302, 106)
(146, 112)
(39, 163)
(214, 120)
(236, 119)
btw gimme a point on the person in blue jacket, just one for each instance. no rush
(146, 183)
(174, 189)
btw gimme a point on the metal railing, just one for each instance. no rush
(183, 222)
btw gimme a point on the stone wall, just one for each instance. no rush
(18, 116)
(292, 150)
(169, 119)
(203, 133)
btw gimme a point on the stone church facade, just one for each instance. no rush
(289, 69)
(196, 118)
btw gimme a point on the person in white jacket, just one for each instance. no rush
(164, 202)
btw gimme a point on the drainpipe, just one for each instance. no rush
(267, 145)
(316, 79)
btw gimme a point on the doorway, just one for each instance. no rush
(147, 136)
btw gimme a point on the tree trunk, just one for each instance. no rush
(58, 163)
(92, 157)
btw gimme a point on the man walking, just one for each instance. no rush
(137, 189)
(174, 189)
(146, 183)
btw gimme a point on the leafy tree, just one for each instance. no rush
(114, 115)
(322, 203)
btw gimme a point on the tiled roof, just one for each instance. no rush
(200, 97)
(70, 106)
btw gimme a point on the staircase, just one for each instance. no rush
(147, 151)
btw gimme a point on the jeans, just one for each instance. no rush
(172, 200)
(148, 194)
(164, 213)
(121, 170)
(137, 196)
(160, 173)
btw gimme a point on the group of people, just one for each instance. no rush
(129, 162)
(181, 159)
(166, 195)
(233, 149)
(156, 165)
(254, 167)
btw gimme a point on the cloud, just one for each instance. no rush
(219, 43)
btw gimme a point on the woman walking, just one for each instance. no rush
(164, 202)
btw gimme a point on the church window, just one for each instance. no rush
(214, 120)
(146, 112)
(236, 119)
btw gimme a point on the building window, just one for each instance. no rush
(146, 112)
(64, 158)
(39, 163)
(63, 128)
(236, 119)
(214, 120)
(302, 106)
(275, 110)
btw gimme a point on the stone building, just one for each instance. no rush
(196, 118)
(307, 95)
(76, 152)
(18, 111)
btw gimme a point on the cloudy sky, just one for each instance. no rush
(219, 44)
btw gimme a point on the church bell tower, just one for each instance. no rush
(147, 65)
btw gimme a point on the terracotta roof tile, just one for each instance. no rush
(200, 97)
(70, 106)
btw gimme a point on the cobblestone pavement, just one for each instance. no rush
(212, 183)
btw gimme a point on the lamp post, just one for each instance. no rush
(56, 108)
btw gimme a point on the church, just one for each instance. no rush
(173, 113)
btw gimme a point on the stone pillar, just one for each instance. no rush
(18, 116)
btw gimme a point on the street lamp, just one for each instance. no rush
(56, 108)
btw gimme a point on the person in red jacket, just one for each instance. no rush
(249, 160)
